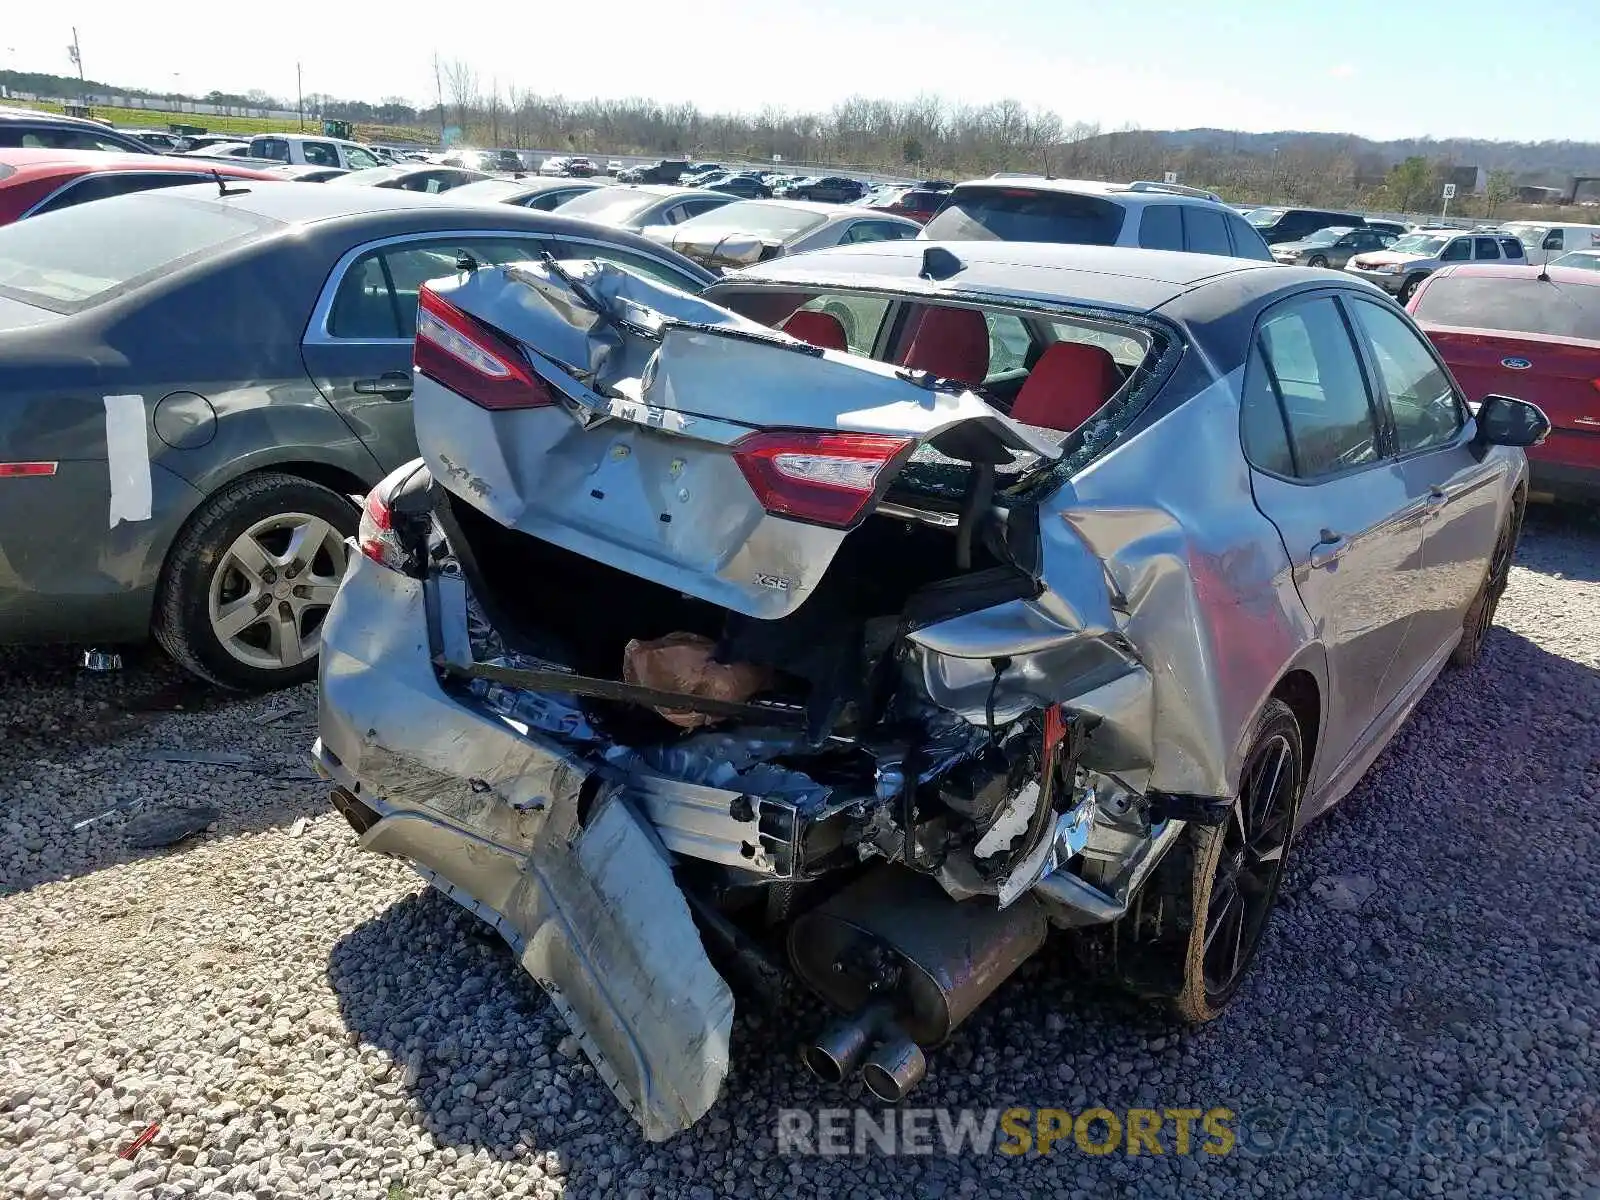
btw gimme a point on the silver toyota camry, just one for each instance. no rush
(886, 611)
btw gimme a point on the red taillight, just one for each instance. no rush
(20, 470)
(828, 478)
(461, 352)
(376, 535)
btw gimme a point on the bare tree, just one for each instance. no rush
(461, 80)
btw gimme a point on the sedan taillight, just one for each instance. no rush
(826, 478)
(458, 350)
(376, 534)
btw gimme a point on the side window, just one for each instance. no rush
(1161, 227)
(101, 186)
(1485, 248)
(1010, 342)
(1204, 230)
(875, 231)
(1312, 361)
(675, 215)
(364, 308)
(693, 208)
(1421, 397)
(274, 148)
(357, 159)
(1512, 247)
(545, 201)
(1262, 428)
(319, 154)
(1552, 240)
(1459, 250)
(1247, 241)
(861, 316)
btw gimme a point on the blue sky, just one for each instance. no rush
(1380, 69)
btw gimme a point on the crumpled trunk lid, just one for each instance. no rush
(638, 466)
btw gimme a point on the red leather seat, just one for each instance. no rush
(818, 329)
(1067, 385)
(952, 343)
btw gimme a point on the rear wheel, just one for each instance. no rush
(1193, 929)
(1238, 867)
(248, 582)
(1480, 615)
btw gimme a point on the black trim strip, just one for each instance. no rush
(626, 693)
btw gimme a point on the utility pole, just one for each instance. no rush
(76, 56)
(438, 89)
(300, 97)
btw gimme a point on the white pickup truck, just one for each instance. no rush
(309, 150)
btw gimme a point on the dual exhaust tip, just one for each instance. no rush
(891, 1064)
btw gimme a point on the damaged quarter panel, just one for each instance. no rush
(489, 813)
(1168, 611)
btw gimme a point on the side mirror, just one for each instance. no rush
(1507, 421)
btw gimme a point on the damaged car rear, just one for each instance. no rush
(877, 616)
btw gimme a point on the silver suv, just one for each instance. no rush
(1156, 216)
(1411, 259)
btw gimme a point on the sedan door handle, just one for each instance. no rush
(1327, 551)
(394, 385)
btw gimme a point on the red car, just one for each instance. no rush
(1532, 333)
(34, 180)
(917, 203)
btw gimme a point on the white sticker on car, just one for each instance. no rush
(128, 459)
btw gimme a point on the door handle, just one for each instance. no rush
(1328, 550)
(395, 385)
(1437, 499)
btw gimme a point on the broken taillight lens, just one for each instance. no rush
(458, 350)
(826, 478)
(376, 534)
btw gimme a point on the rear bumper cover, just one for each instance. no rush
(489, 815)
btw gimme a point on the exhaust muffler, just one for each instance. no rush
(910, 964)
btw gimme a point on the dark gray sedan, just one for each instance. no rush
(1332, 247)
(192, 386)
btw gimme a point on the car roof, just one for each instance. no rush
(30, 162)
(11, 113)
(1576, 275)
(1124, 192)
(1118, 276)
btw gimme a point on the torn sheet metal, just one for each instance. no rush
(490, 815)
(638, 471)
(128, 459)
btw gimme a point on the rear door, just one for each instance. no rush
(1322, 474)
(357, 348)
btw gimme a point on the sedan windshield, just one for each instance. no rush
(780, 222)
(1327, 237)
(1419, 243)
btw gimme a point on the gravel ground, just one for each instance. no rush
(304, 1021)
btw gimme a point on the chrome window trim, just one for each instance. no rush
(199, 176)
(316, 331)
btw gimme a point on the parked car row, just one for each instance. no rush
(715, 550)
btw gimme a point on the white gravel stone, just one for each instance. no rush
(307, 1021)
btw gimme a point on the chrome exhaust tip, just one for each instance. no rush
(839, 1049)
(894, 1069)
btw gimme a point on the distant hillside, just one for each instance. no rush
(1532, 162)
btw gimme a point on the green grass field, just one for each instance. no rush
(151, 118)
